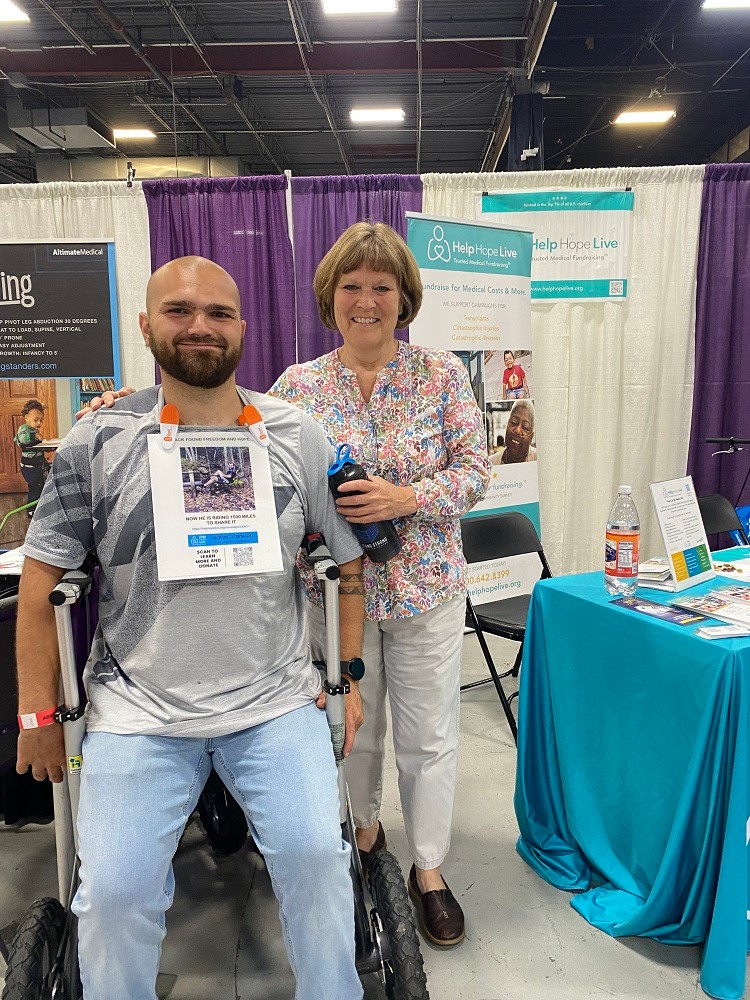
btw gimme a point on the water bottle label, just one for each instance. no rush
(621, 554)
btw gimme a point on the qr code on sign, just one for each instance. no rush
(616, 287)
(243, 556)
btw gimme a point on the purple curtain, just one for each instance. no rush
(241, 223)
(322, 208)
(721, 400)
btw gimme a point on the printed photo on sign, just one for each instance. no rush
(216, 479)
(507, 374)
(474, 364)
(511, 435)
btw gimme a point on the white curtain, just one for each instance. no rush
(96, 210)
(613, 380)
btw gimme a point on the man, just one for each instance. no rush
(186, 674)
(519, 433)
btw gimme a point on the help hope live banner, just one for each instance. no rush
(581, 239)
(477, 303)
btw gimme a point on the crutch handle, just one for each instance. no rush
(75, 584)
(317, 555)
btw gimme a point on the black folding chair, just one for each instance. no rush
(719, 516)
(499, 536)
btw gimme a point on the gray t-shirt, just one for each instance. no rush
(186, 658)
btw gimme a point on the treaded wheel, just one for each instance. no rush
(221, 817)
(33, 952)
(406, 980)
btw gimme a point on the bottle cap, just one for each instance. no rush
(625, 489)
(343, 457)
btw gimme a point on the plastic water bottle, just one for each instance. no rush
(621, 550)
(379, 540)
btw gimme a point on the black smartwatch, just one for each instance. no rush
(354, 668)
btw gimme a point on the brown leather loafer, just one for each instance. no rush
(440, 915)
(364, 856)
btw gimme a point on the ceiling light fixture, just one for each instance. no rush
(726, 5)
(377, 114)
(360, 6)
(134, 133)
(11, 12)
(644, 117)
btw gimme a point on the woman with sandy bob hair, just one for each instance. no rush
(411, 419)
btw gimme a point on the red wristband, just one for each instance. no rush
(35, 720)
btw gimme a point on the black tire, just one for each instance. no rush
(33, 952)
(407, 980)
(221, 817)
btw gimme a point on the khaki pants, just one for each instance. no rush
(417, 661)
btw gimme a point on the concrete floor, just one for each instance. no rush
(523, 940)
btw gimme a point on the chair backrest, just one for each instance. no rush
(719, 515)
(498, 536)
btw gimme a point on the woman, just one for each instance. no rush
(411, 419)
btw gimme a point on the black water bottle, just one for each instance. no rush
(379, 540)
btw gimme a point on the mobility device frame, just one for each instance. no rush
(43, 956)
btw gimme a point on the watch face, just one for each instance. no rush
(356, 668)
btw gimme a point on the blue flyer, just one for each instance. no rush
(663, 611)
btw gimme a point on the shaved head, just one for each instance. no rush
(190, 271)
(193, 322)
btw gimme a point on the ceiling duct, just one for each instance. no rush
(112, 168)
(59, 128)
(736, 150)
(8, 142)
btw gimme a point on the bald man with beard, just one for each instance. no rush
(190, 674)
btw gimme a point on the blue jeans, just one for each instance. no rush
(137, 793)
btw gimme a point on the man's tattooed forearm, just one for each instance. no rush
(351, 583)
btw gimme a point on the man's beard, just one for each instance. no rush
(203, 369)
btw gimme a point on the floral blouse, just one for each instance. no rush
(422, 427)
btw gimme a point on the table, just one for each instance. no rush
(632, 781)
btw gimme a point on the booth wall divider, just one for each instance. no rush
(65, 210)
(721, 400)
(613, 380)
(322, 208)
(241, 223)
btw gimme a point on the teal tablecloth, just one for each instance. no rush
(632, 780)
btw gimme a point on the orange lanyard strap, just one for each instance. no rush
(169, 422)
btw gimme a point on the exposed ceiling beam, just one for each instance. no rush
(540, 18)
(230, 97)
(65, 24)
(212, 141)
(353, 57)
(419, 84)
(539, 29)
(324, 99)
(500, 133)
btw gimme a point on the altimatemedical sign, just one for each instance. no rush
(581, 239)
(58, 310)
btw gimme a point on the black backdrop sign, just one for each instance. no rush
(58, 310)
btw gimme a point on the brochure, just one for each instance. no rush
(722, 631)
(724, 603)
(684, 535)
(654, 572)
(663, 611)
